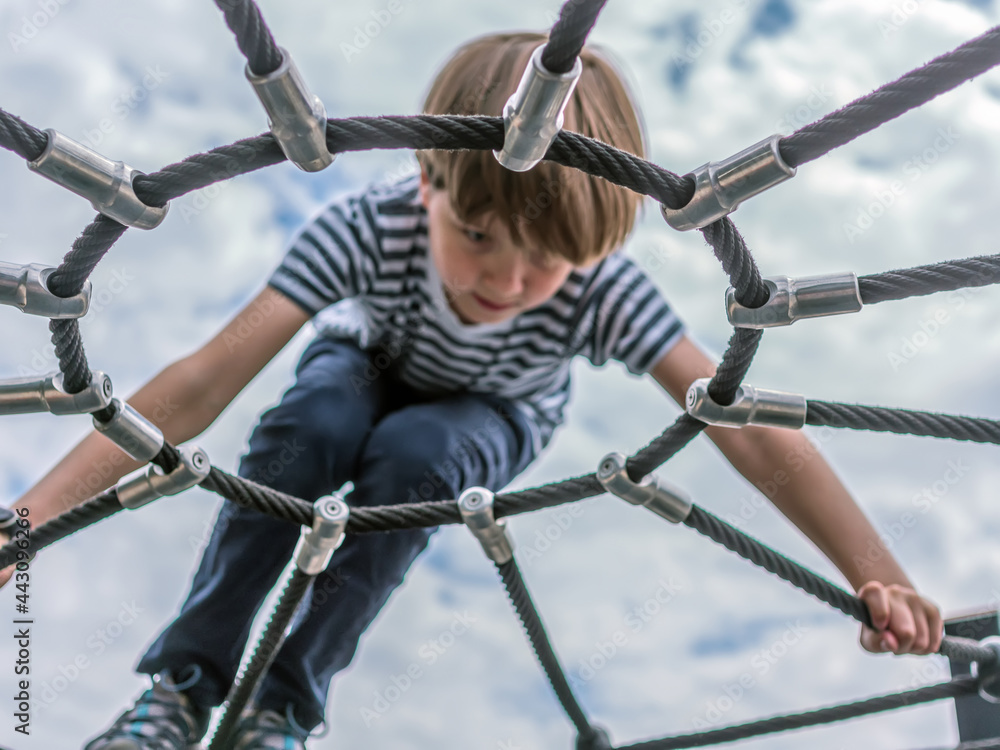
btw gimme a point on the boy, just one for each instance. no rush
(457, 304)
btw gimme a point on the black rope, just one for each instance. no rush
(958, 687)
(922, 280)
(760, 554)
(70, 354)
(88, 249)
(249, 494)
(96, 509)
(663, 448)
(243, 689)
(535, 629)
(576, 20)
(890, 101)
(731, 250)
(23, 139)
(902, 421)
(967, 651)
(252, 35)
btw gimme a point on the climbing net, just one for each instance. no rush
(300, 132)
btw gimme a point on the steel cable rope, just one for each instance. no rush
(902, 421)
(510, 574)
(957, 687)
(569, 33)
(911, 90)
(948, 276)
(246, 683)
(253, 37)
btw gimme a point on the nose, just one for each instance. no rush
(505, 276)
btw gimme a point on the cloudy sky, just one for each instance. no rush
(151, 83)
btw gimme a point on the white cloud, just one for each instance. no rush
(486, 690)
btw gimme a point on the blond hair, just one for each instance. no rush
(567, 212)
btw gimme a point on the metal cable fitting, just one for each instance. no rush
(989, 674)
(533, 116)
(316, 546)
(793, 299)
(106, 184)
(652, 492)
(476, 508)
(152, 483)
(33, 395)
(296, 117)
(720, 187)
(26, 288)
(8, 520)
(133, 433)
(751, 406)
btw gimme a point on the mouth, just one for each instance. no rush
(491, 305)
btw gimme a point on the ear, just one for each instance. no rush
(425, 188)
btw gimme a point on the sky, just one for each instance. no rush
(660, 630)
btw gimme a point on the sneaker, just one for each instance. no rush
(163, 718)
(268, 730)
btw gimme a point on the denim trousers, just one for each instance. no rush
(343, 420)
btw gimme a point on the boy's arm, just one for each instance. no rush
(182, 400)
(804, 488)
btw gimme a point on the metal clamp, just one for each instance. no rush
(751, 406)
(652, 492)
(476, 507)
(720, 187)
(106, 184)
(989, 675)
(133, 433)
(296, 117)
(8, 520)
(26, 288)
(316, 546)
(152, 483)
(533, 116)
(793, 299)
(32, 395)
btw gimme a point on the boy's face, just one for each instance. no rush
(487, 277)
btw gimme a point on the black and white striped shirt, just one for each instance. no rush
(362, 268)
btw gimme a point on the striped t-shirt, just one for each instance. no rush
(362, 268)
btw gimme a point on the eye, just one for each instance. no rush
(474, 234)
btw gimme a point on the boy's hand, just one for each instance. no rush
(905, 622)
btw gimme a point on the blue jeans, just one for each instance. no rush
(343, 420)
